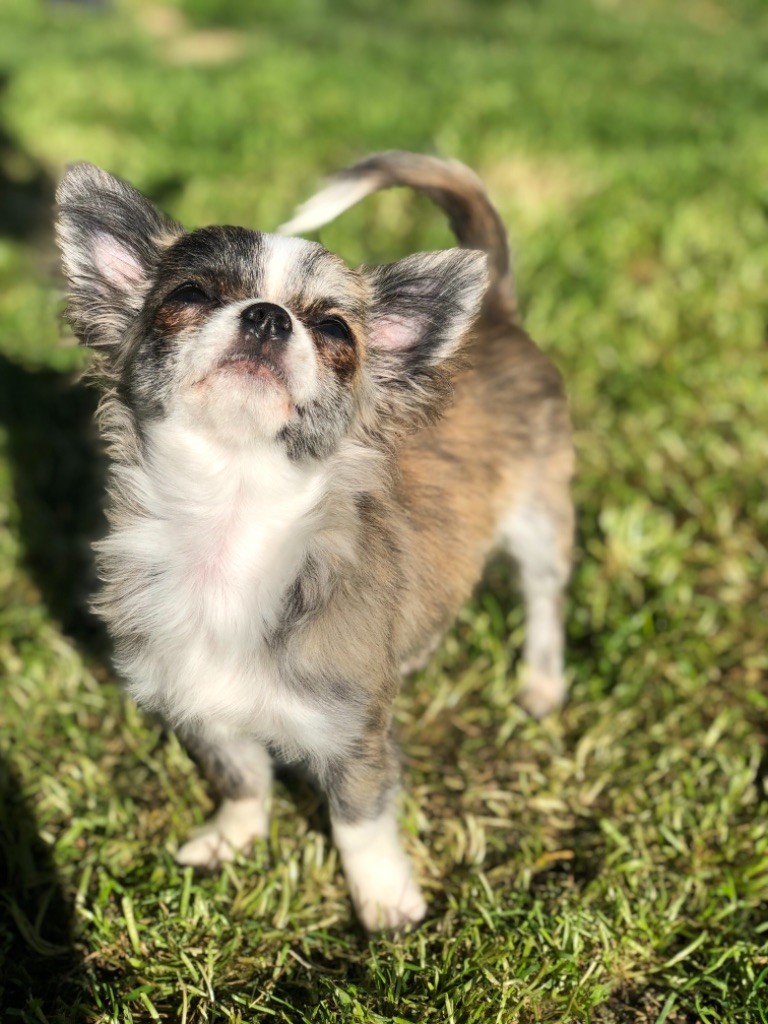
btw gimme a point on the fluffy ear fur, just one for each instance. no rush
(421, 309)
(110, 238)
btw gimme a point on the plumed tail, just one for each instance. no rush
(450, 184)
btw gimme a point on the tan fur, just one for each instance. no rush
(504, 441)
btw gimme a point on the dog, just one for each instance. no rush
(310, 465)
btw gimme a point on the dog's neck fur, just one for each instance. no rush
(201, 485)
(236, 523)
(204, 546)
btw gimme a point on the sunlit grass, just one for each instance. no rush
(611, 865)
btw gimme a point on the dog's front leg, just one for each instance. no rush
(362, 789)
(240, 770)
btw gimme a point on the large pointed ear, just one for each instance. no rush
(110, 238)
(423, 305)
(421, 309)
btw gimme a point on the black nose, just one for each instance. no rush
(266, 321)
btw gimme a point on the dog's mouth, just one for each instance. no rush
(245, 364)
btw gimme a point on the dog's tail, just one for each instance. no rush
(454, 187)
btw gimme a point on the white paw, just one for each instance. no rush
(234, 827)
(207, 848)
(390, 907)
(542, 693)
(379, 873)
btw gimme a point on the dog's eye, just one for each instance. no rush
(190, 294)
(334, 327)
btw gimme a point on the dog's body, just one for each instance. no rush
(291, 523)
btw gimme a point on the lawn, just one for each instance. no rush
(608, 865)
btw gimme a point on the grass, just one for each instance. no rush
(607, 866)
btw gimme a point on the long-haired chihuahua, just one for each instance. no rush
(309, 467)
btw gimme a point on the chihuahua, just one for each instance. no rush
(309, 465)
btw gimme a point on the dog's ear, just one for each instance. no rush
(110, 238)
(423, 305)
(421, 309)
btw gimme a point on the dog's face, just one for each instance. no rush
(253, 337)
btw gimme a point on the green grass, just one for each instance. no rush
(608, 866)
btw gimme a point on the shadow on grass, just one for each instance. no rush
(42, 976)
(57, 473)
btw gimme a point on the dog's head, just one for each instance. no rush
(253, 337)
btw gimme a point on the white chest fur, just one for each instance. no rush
(215, 541)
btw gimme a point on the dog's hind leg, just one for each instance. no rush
(240, 770)
(539, 535)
